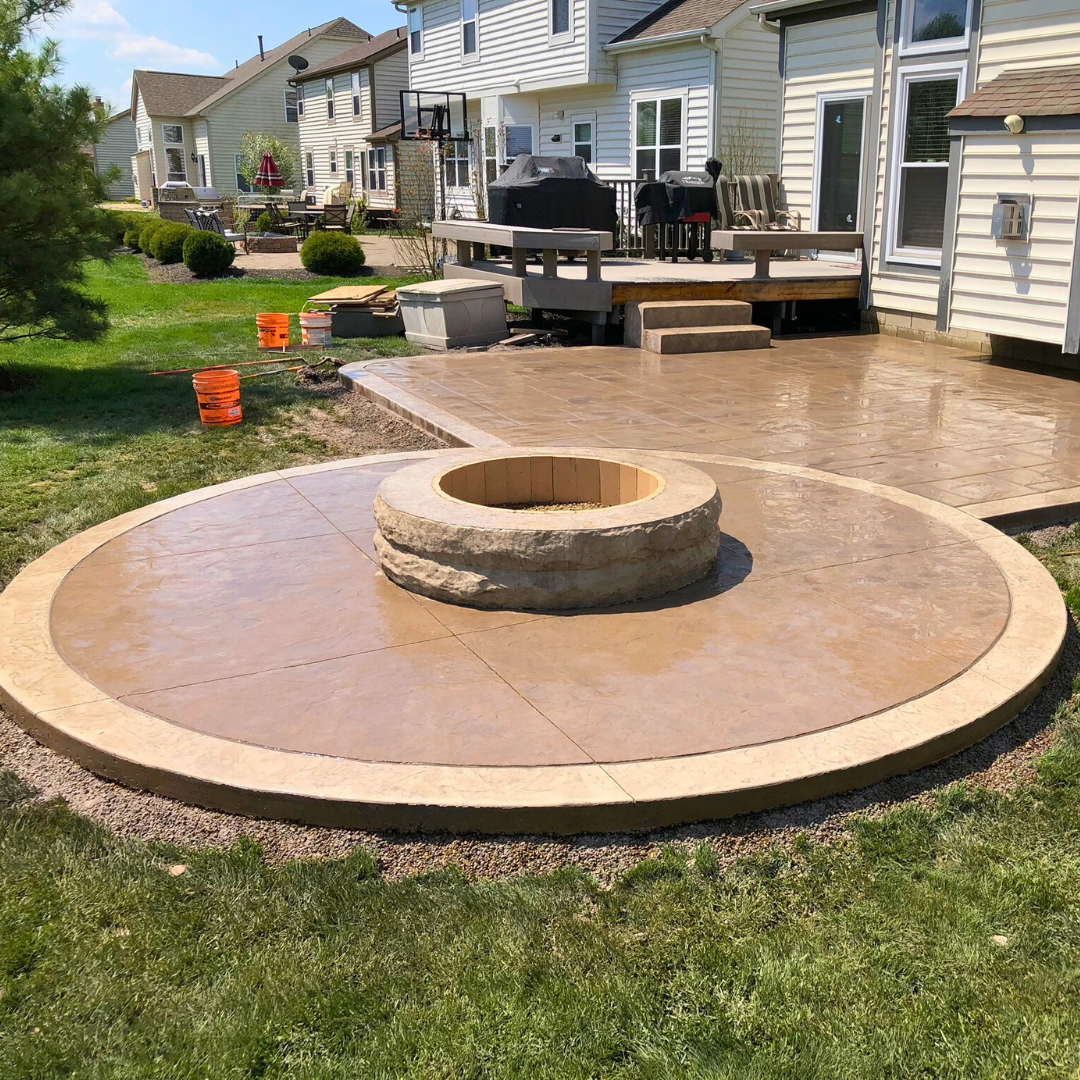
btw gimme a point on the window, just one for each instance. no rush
(560, 17)
(356, 93)
(333, 163)
(468, 27)
(583, 140)
(491, 154)
(936, 25)
(329, 99)
(416, 31)
(457, 163)
(519, 140)
(658, 135)
(921, 165)
(172, 134)
(238, 165)
(309, 168)
(377, 169)
(175, 164)
(291, 115)
(350, 171)
(300, 101)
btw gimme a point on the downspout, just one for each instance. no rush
(716, 48)
(767, 24)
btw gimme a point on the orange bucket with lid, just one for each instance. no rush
(273, 330)
(218, 393)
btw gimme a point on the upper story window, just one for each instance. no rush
(172, 134)
(468, 27)
(292, 114)
(658, 135)
(356, 93)
(300, 101)
(329, 99)
(416, 31)
(560, 17)
(936, 25)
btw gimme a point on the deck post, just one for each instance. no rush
(551, 263)
(520, 261)
(464, 253)
(592, 264)
(762, 258)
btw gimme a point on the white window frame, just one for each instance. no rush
(295, 105)
(375, 173)
(563, 36)
(683, 95)
(507, 159)
(350, 166)
(172, 174)
(333, 161)
(300, 101)
(331, 112)
(170, 142)
(356, 92)
(415, 19)
(942, 45)
(474, 56)
(309, 168)
(583, 118)
(240, 181)
(908, 75)
(452, 147)
(824, 98)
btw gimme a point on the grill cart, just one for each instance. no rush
(679, 198)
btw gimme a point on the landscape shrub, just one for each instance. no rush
(208, 255)
(131, 238)
(264, 224)
(146, 234)
(117, 224)
(167, 245)
(334, 254)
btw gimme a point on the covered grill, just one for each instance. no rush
(680, 198)
(551, 193)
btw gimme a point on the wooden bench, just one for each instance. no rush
(764, 242)
(549, 242)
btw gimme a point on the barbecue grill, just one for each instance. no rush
(680, 198)
(551, 193)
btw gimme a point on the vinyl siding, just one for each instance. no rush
(1026, 33)
(750, 99)
(504, 27)
(1017, 290)
(202, 148)
(116, 148)
(391, 77)
(612, 18)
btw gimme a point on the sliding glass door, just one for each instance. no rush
(841, 134)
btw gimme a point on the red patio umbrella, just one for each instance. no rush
(269, 175)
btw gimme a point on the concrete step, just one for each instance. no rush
(668, 314)
(700, 339)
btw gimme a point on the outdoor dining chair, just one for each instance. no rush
(756, 198)
(210, 221)
(277, 222)
(335, 218)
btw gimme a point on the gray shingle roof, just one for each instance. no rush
(361, 54)
(1049, 91)
(678, 17)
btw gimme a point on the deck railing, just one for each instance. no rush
(632, 241)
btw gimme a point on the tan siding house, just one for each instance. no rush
(189, 127)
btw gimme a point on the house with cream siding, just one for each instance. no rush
(632, 86)
(189, 127)
(894, 125)
(349, 111)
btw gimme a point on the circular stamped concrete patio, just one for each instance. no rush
(238, 647)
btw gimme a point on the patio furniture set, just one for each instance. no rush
(300, 221)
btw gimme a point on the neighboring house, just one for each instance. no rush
(188, 127)
(115, 148)
(894, 125)
(350, 109)
(629, 85)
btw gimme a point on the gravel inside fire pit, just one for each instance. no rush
(550, 508)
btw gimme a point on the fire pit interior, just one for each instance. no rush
(543, 530)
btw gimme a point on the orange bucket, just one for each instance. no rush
(273, 331)
(219, 398)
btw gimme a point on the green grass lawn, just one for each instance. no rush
(872, 958)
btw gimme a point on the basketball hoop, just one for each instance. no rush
(434, 116)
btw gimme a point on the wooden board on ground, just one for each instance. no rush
(351, 294)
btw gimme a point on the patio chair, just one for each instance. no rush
(731, 219)
(210, 221)
(277, 222)
(756, 198)
(299, 209)
(336, 218)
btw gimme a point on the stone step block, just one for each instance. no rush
(701, 339)
(667, 314)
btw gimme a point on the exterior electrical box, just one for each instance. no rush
(1012, 219)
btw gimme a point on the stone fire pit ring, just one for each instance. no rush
(598, 527)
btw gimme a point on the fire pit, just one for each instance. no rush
(547, 529)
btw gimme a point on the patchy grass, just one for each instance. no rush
(939, 941)
(88, 434)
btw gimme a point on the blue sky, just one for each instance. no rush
(102, 41)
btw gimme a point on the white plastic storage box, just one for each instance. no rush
(453, 314)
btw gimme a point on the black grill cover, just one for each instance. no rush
(675, 196)
(551, 193)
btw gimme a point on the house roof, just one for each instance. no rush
(386, 134)
(169, 93)
(1047, 91)
(678, 17)
(362, 54)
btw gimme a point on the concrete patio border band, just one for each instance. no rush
(1020, 512)
(67, 712)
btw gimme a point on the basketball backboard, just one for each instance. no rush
(433, 115)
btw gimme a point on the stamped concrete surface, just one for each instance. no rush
(242, 649)
(993, 439)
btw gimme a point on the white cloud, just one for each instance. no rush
(153, 49)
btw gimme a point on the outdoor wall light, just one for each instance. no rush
(1014, 123)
